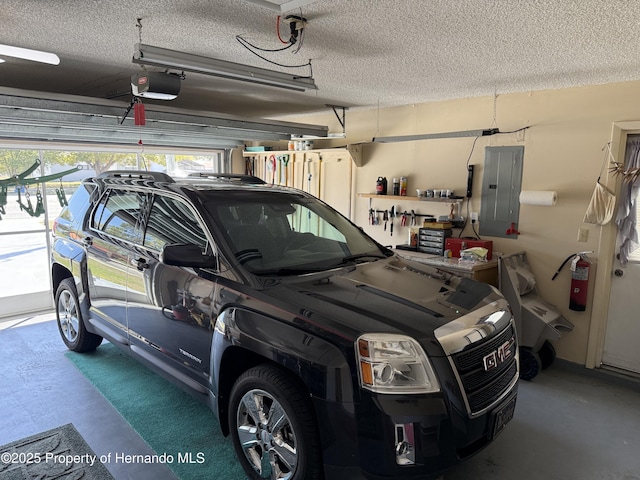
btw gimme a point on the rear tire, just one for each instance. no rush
(547, 354)
(69, 317)
(530, 363)
(273, 428)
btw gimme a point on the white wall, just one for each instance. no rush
(567, 130)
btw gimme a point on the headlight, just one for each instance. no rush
(390, 363)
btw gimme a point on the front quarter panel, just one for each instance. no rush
(243, 338)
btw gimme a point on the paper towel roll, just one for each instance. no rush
(538, 197)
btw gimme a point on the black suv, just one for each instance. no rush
(322, 353)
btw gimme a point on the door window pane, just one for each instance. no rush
(172, 221)
(118, 213)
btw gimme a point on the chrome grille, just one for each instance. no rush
(484, 387)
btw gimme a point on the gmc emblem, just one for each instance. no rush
(498, 356)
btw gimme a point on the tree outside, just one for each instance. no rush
(14, 162)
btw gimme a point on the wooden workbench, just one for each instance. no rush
(486, 272)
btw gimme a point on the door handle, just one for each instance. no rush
(142, 264)
(88, 241)
(618, 272)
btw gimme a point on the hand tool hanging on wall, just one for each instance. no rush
(309, 186)
(285, 168)
(391, 217)
(271, 167)
(249, 165)
(319, 194)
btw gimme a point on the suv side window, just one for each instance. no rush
(172, 221)
(117, 214)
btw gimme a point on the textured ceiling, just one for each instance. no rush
(365, 53)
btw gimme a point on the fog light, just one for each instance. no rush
(405, 444)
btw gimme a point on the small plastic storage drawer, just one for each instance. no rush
(436, 250)
(424, 243)
(435, 232)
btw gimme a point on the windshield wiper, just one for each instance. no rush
(287, 271)
(350, 259)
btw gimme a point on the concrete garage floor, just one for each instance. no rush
(570, 423)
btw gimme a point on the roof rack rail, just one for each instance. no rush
(234, 177)
(137, 175)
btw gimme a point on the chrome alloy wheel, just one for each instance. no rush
(266, 435)
(67, 310)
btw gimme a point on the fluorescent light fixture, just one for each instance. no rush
(165, 58)
(429, 136)
(28, 54)
(315, 137)
(281, 5)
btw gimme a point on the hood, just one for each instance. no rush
(390, 295)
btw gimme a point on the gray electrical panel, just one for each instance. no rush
(501, 185)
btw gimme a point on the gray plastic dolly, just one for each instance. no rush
(537, 322)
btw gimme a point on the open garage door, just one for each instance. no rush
(28, 208)
(25, 209)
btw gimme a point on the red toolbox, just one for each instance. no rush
(456, 244)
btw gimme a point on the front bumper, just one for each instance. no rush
(424, 435)
(437, 435)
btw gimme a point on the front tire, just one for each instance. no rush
(273, 428)
(69, 317)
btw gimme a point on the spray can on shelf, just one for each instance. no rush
(381, 186)
(403, 186)
(396, 186)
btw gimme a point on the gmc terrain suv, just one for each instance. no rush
(322, 353)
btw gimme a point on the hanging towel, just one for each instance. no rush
(602, 205)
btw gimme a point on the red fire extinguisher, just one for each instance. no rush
(580, 266)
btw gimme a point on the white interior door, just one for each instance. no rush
(622, 338)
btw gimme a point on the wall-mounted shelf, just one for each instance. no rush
(354, 151)
(411, 199)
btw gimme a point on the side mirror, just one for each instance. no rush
(186, 255)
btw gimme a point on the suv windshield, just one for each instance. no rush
(272, 233)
